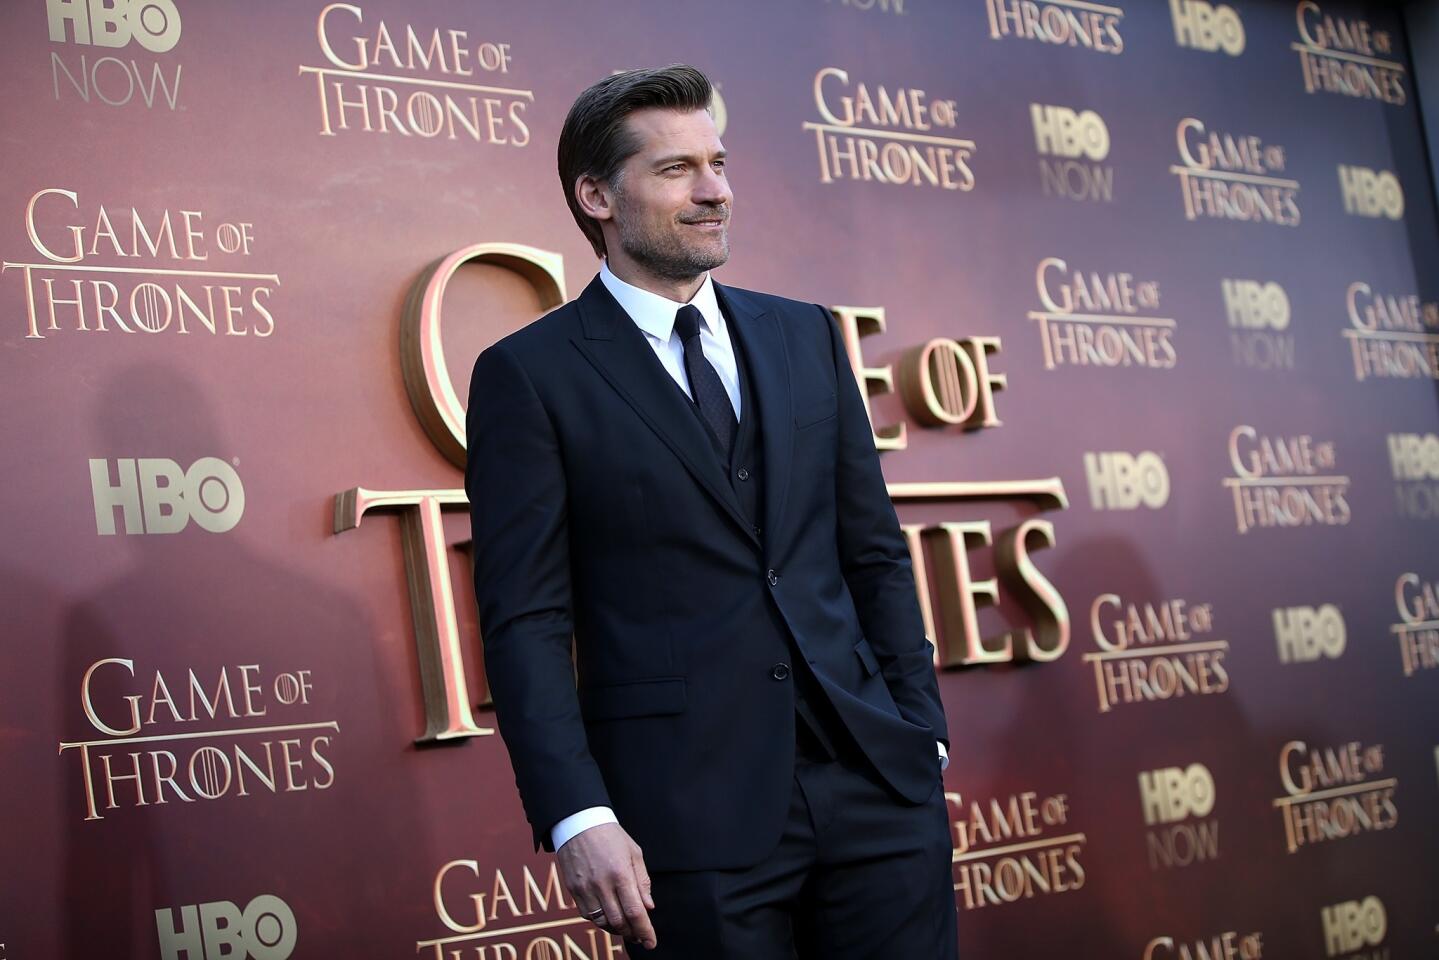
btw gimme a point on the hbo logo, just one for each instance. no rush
(1414, 456)
(1172, 794)
(1123, 481)
(1062, 132)
(265, 930)
(154, 24)
(1305, 634)
(1203, 27)
(1368, 193)
(210, 493)
(1256, 305)
(1353, 925)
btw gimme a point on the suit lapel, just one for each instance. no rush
(620, 353)
(768, 361)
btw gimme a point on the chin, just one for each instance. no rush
(716, 258)
(719, 247)
(718, 250)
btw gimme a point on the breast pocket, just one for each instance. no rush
(810, 412)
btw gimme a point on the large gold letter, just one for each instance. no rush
(422, 358)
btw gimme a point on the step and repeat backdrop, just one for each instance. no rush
(1143, 295)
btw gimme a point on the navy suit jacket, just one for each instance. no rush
(632, 615)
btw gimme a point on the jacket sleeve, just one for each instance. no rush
(875, 558)
(515, 482)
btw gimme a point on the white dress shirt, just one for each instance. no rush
(655, 316)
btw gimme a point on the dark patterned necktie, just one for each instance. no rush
(705, 385)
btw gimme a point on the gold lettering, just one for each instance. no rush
(432, 603)
(422, 358)
(854, 323)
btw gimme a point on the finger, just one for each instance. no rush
(595, 911)
(591, 910)
(642, 877)
(614, 913)
(635, 915)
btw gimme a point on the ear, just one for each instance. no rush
(595, 197)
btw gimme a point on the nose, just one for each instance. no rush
(712, 189)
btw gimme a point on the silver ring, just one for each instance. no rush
(595, 915)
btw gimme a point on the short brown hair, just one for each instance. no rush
(596, 141)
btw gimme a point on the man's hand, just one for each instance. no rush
(604, 870)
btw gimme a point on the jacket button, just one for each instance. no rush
(757, 530)
(743, 474)
(772, 577)
(780, 671)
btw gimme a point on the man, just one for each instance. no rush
(677, 481)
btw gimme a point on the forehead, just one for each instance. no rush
(664, 131)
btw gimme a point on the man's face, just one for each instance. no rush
(672, 200)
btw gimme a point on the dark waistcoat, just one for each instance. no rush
(746, 477)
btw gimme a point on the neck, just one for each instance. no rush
(633, 273)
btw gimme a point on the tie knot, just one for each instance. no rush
(687, 322)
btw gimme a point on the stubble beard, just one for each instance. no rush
(661, 254)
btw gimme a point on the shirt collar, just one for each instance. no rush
(654, 314)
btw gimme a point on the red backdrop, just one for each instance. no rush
(1172, 268)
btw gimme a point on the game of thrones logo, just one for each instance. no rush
(1151, 651)
(1391, 335)
(944, 384)
(1334, 793)
(1233, 177)
(1014, 848)
(1100, 319)
(1417, 629)
(1347, 56)
(173, 273)
(414, 83)
(498, 914)
(901, 137)
(187, 738)
(1285, 481)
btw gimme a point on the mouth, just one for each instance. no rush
(715, 220)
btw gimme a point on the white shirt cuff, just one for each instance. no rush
(577, 823)
(943, 758)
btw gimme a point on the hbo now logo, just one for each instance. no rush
(1305, 634)
(156, 496)
(264, 930)
(1205, 27)
(1414, 456)
(154, 24)
(1370, 193)
(1354, 925)
(1061, 132)
(1254, 306)
(1171, 794)
(1125, 481)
